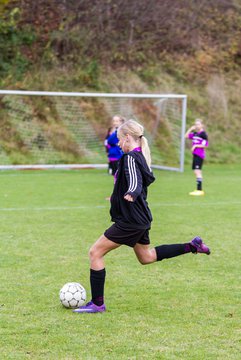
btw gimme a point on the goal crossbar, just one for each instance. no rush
(85, 94)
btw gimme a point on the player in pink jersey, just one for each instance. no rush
(199, 142)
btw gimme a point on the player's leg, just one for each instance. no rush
(145, 255)
(197, 168)
(199, 179)
(97, 275)
(111, 167)
(98, 250)
(114, 165)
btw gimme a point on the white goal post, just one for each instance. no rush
(66, 130)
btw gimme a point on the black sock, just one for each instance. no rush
(97, 283)
(199, 183)
(169, 251)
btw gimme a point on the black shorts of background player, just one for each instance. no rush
(197, 163)
(131, 216)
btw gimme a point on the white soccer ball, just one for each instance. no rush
(72, 295)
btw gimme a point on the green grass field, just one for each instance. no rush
(188, 307)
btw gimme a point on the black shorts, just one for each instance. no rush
(127, 236)
(113, 165)
(197, 163)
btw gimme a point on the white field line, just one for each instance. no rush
(57, 208)
(85, 207)
(218, 203)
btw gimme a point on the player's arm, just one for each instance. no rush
(189, 131)
(197, 146)
(134, 179)
(200, 146)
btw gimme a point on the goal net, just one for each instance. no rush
(67, 130)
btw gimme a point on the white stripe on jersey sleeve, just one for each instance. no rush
(132, 172)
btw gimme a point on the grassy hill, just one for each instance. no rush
(130, 46)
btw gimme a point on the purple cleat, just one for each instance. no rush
(90, 307)
(199, 246)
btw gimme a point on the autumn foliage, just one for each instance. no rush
(124, 32)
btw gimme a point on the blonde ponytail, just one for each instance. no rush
(146, 150)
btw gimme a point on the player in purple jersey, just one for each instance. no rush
(199, 142)
(131, 216)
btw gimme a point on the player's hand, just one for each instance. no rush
(128, 197)
(194, 147)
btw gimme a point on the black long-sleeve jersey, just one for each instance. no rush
(133, 178)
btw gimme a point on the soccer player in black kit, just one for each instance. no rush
(131, 216)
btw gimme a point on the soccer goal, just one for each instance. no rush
(67, 130)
